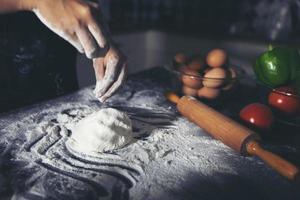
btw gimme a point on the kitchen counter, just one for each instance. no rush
(171, 158)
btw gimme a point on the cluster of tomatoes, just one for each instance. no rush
(282, 100)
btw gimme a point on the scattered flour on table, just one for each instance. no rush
(105, 130)
(166, 163)
(162, 161)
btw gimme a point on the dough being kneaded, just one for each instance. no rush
(105, 130)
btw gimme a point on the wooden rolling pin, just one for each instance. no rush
(230, 133)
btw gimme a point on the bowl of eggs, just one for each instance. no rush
(209, 78)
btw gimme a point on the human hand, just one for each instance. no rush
(77, 21)
(110, 73)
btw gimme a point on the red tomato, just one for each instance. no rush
(284, 100)
(257, 115)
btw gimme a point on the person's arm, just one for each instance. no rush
(81, 24)
(7, 6)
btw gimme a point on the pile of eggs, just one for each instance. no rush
(205, 79)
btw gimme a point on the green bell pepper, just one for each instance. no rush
(273, 67)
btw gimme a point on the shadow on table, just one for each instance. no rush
(229, 186)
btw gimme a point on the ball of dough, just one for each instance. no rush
(105, 130)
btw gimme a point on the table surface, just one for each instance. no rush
(170, 159)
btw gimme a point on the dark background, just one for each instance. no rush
(271, 20)
(149, 32)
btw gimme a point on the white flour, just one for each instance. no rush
(171, 158)
(105, 130)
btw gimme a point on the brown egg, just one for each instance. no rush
(207, 69)
(215, 78)
(196, 63)
(190, 78)
(216, 58)
(208, 93)
(180, 58)
(189, 91)
(231, 81)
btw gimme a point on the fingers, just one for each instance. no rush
(109, 78)
(97, 33)
(97, 25)
(99, 68)
(87, 41)
(116, 85)
(115, 73)
(92, 35)
(73, 40)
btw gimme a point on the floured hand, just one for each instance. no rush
(110, 73)
(77, 21)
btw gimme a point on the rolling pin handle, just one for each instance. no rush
(279, 164)
(171, 96)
